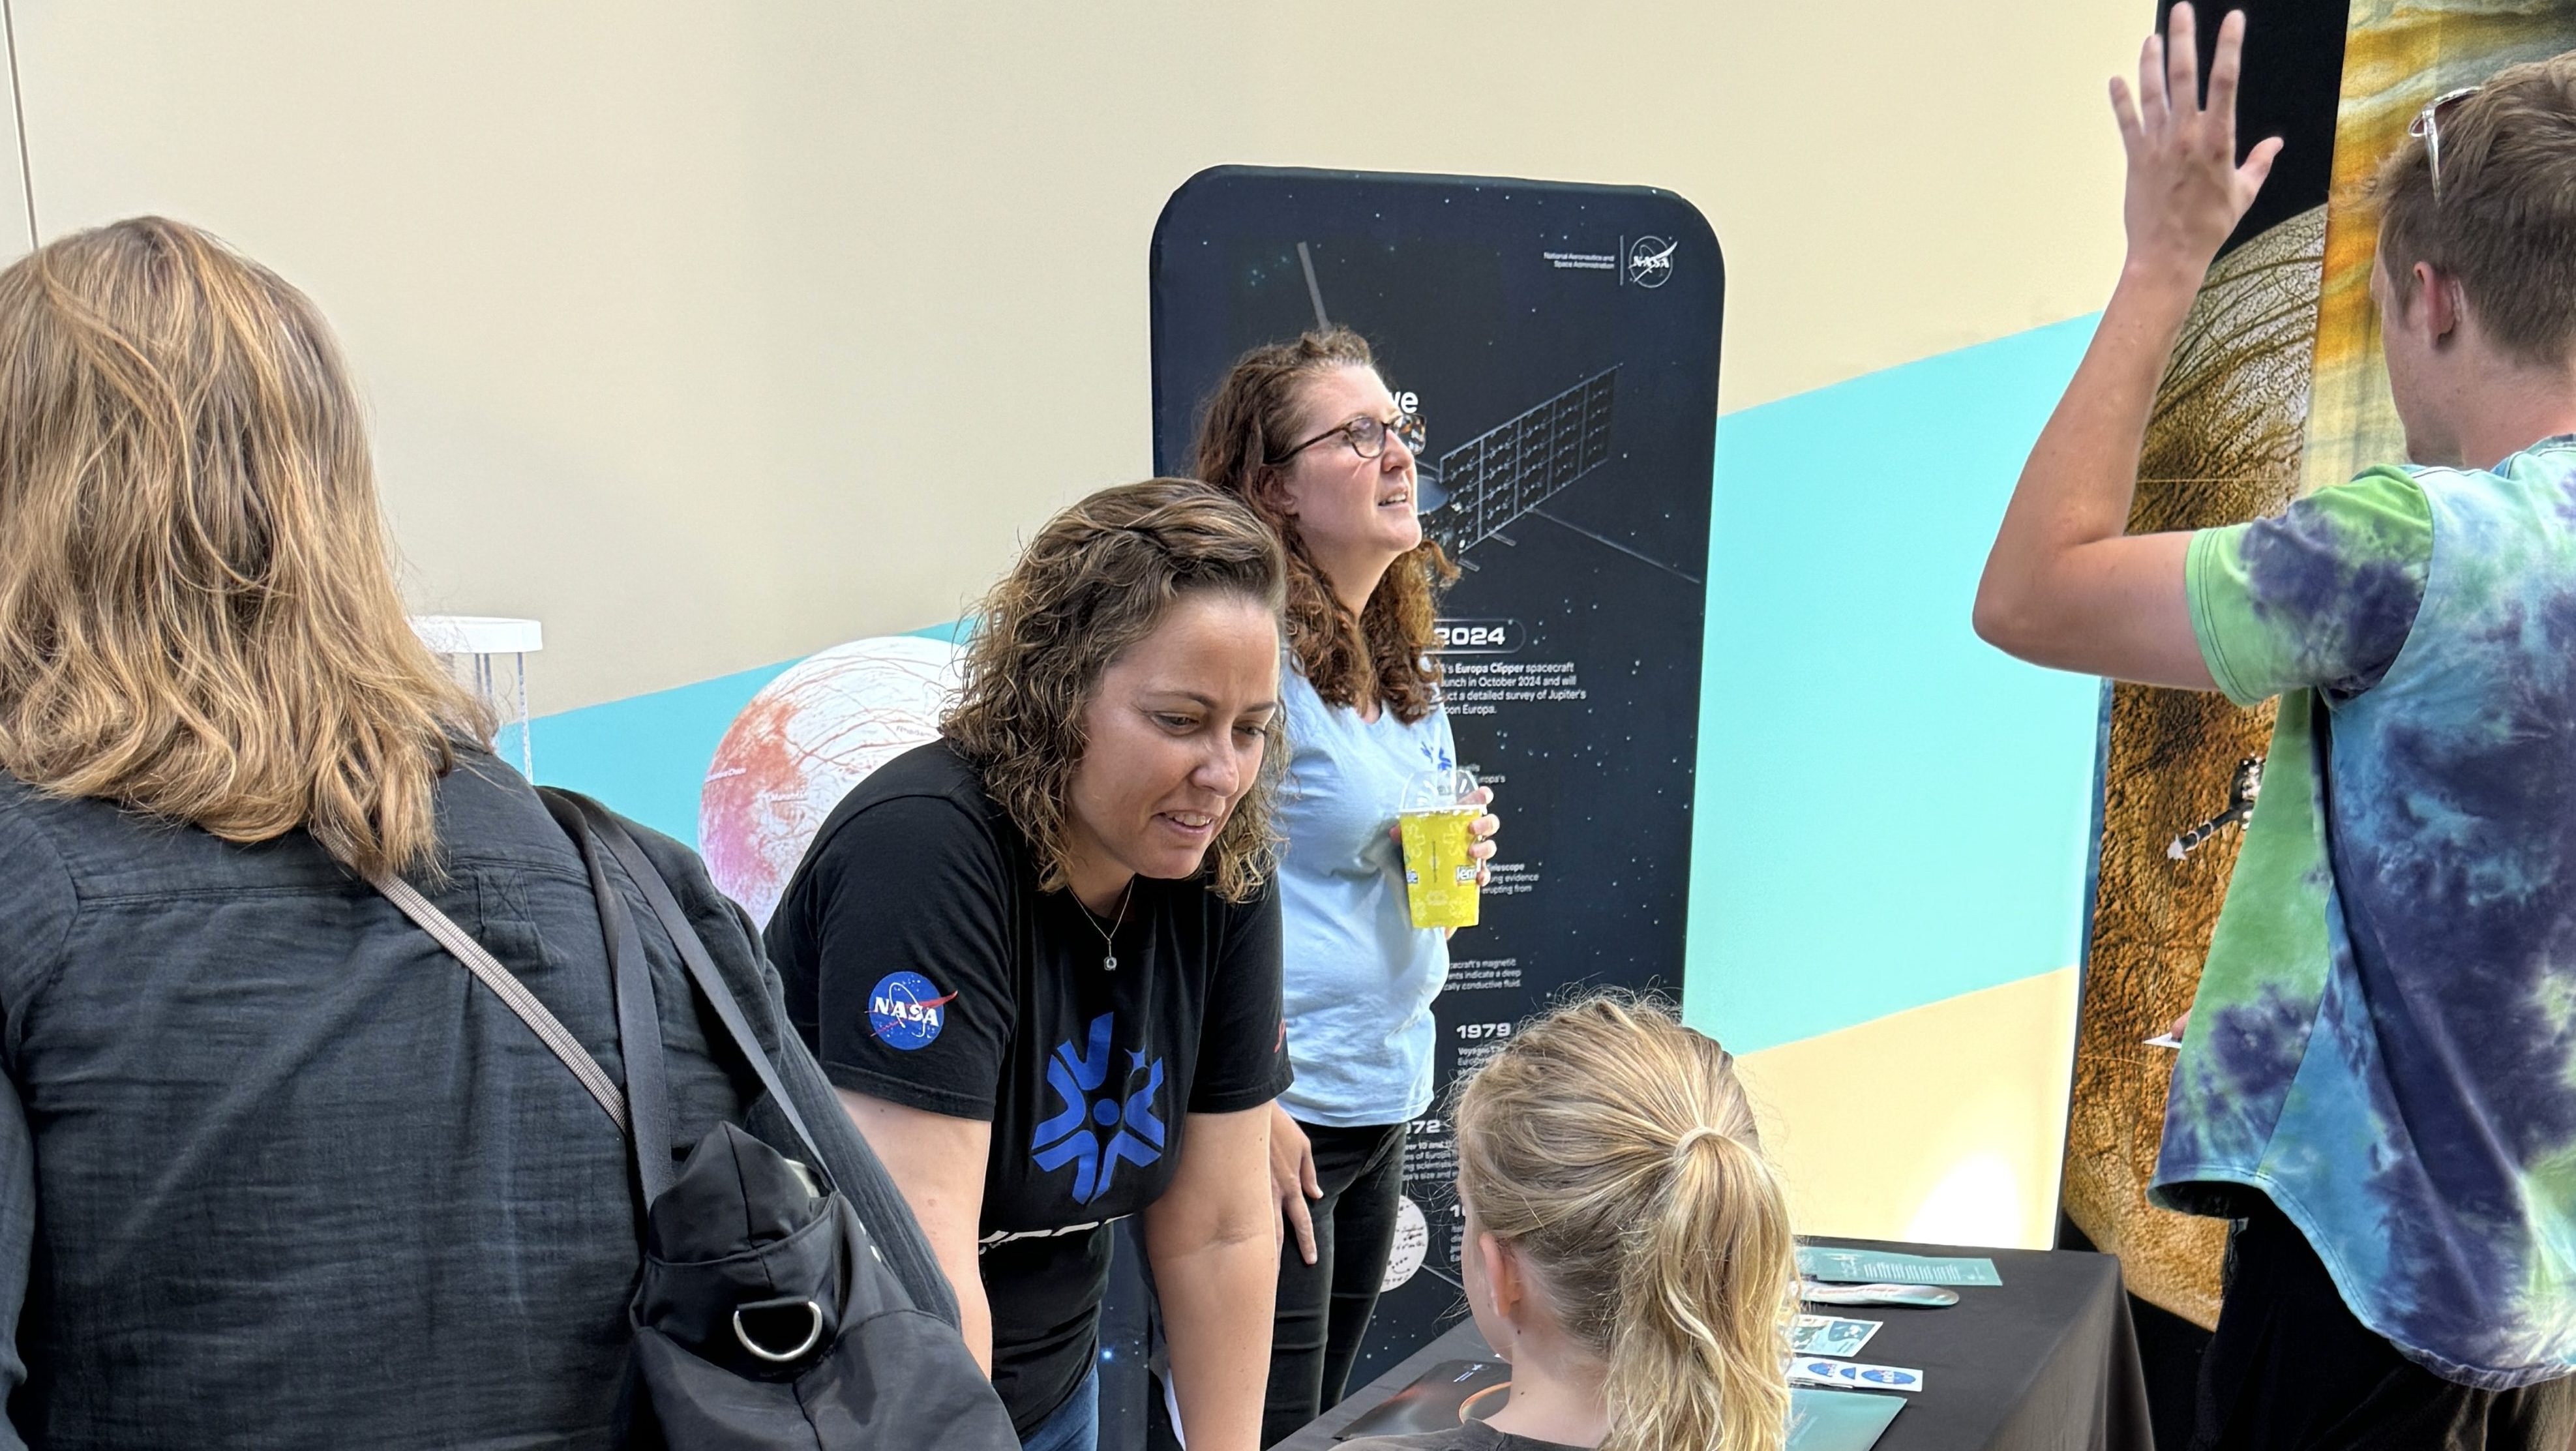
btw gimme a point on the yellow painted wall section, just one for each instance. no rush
(714, 334)
(1943, 1123)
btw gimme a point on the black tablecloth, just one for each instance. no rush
(2045, 1360)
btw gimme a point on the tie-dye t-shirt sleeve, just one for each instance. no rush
(2322, 595)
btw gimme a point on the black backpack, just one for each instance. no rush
(765, 1315)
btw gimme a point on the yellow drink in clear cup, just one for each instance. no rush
(1439, 875)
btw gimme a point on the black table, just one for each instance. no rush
(2047, 1359)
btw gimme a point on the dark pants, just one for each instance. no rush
(2290, 1369)
(1324, 1307)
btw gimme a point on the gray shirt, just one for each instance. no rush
(275, 1171)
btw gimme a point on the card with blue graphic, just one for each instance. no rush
(1859, 1266)
(1831, 1335)
(1852, 1374)
(1822, 1420)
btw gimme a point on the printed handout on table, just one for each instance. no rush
(1850, 1266)
(1831, 1335)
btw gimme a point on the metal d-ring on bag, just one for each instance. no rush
(764, 1317)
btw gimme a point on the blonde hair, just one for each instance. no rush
(1614, 1151)
(1098, 578)
(198, 617)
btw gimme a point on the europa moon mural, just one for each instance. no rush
(802, 743)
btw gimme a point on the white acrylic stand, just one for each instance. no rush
(489, 656)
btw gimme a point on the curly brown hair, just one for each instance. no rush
(1098, 578)
(1384, 654)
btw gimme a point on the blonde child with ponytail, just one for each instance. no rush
(1627, 1248)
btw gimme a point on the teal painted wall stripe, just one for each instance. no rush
(647, 755)
(1888, 812)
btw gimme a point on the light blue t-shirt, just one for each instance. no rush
(1359, 976)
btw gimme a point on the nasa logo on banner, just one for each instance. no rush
(1650, 261)
(906, 1011)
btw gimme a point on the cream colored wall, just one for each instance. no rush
(712, 334)
(17, 231)
(1944, 1123)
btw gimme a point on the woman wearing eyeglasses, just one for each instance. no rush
(1307, 434)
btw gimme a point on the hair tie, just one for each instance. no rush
(1683, 1145)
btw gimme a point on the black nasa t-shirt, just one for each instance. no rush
(925, 968)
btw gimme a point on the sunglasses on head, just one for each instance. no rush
(2427, 128)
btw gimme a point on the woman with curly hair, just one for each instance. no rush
(1040, 956)
(1306, 433)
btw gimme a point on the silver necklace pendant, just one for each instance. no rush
(1109, 934)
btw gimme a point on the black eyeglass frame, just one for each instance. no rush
(1407, 429)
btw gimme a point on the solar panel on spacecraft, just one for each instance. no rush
(1509, 469)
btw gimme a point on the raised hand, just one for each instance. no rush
(2186, 191)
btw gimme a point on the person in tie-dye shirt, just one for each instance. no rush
(2378, 1077)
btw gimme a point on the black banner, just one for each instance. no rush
(1562, 342)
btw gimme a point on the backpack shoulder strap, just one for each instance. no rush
(639, 1016)
(622, 845)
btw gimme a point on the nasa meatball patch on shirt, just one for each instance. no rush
(905, 1011)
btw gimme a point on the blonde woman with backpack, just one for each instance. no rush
(275, 1171)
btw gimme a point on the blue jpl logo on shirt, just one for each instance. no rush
(1102, 1122)
(906, 1011)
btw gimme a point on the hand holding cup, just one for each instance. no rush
(1481, 833)
(1445, 855)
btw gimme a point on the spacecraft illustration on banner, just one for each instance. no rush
(1476, 490)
